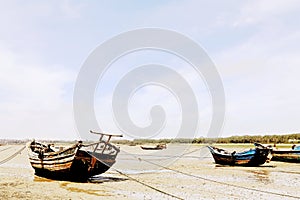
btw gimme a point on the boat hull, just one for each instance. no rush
(71, 164)
(157, 147)
(152, 148)
(253, 157)
(78, 169)
(286, 156)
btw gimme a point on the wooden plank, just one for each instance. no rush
(107, 134)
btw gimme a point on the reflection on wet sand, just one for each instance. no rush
(260, 175)
(94, 179)
(75, 188)
(102, 179)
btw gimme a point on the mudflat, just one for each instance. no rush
(180, 171)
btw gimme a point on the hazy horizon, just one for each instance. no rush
(253, 44)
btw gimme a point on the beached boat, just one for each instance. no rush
(289, 155)
(77, 162)
(253, 157)
(157, 147)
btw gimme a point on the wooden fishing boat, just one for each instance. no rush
(77, 162)
(289, 155)
(253, 157)
(157, 147)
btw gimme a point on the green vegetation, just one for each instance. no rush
(266, 139)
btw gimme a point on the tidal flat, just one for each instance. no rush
(180, 171)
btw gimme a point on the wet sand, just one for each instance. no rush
(202, 179)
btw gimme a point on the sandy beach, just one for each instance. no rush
(190, 176)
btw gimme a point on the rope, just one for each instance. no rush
(194, 176)
(12, 156)
(142, 183)
(147, 185)
(164, 157)
(287, 172)
(151, 187)
(278, 171)
(5, 149)
(222, 183)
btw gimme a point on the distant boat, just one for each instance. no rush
(253, 157)
(290, 155)
(157, 147)
(78, 162)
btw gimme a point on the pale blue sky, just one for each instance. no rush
(254, 44)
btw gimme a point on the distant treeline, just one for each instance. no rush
(12, 141)
(266, 139)
(16, 141)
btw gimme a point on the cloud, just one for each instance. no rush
(146, 97)
(71, 9)
(34, 98)
(255, 46)
(260, 12)
(261, 72)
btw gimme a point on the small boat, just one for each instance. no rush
(157, 147)
(253, 157)
(289, 155)
(77, 162)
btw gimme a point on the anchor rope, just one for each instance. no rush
(164, 157)
(288, 172)
(5, 149)
(219, 182)
(13, 155)
(194, 176)
(124, 174)
(152, 187)
(147, 185)
(278, 171)
(142, 183)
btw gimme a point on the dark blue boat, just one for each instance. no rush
(292, 155)
(253, 157)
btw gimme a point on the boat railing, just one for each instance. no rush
(104, 143)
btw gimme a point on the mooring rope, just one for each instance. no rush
(271, 166)
(5, 149)
(147, 185)
(152, 187)
(287, 172)
(219, 182)
(142, 183)
(194, 176)
(164, 157)
(12, 156)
